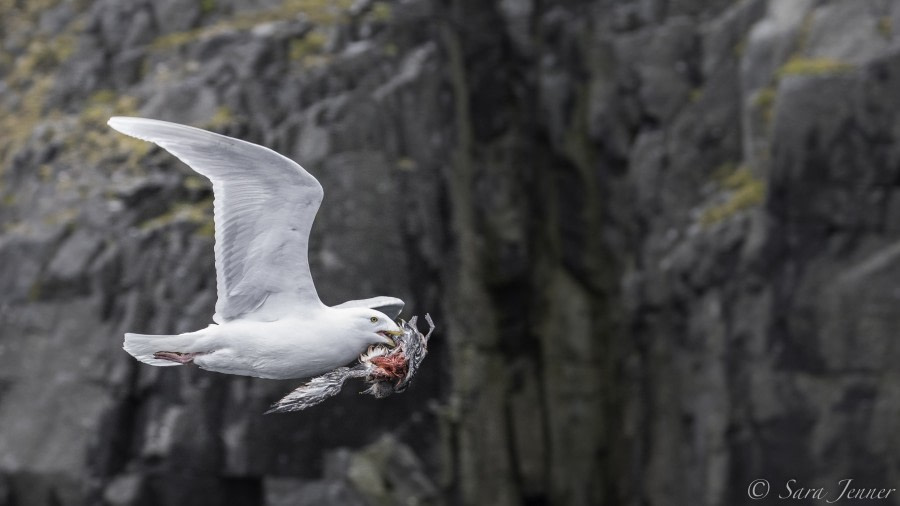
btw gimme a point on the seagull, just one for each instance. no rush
(269, 321)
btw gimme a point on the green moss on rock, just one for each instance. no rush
(746, 191)
(813, 67)
(198, 213)
(207, 6)
(305, 48)
(223, 117)
(885, 27)
(381, 12)
(319, 12)
(764, 102)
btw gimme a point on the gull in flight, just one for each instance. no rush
(269, 321)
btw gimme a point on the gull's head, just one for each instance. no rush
(374, 327)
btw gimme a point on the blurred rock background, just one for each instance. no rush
(661, 240)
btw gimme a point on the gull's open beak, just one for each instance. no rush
(390, 334)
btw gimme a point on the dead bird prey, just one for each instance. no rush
(269, 321)
(387, 370)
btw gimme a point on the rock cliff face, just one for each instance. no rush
(659, 237)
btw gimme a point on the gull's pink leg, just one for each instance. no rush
(174, 356)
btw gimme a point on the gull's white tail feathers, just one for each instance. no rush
(143, 346)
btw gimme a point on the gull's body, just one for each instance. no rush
(292, 347)
(270, 322)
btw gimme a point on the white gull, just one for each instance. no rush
(269, 321)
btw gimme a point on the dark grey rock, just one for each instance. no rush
(661, 55)
(518, 15)
(725, 36)
(289, 492)
(771, 42)
(125, 490)
(864, 34)
(190, 101)
(73, 256)
(606, 339)
(175, 15)
(5, 491)
(55, 19)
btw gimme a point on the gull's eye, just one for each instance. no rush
(373, 319)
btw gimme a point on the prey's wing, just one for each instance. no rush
(390, 306)
(264, 208)
(317, 389)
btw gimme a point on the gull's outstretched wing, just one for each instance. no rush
(264, 208)
(390, 306)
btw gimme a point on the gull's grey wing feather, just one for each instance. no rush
(264, 208)
(390, 306)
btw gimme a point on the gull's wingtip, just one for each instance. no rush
(116, 121)
(139, 128)
(121, 123)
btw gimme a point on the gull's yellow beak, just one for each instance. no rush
(394, 333)
(389, 335)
